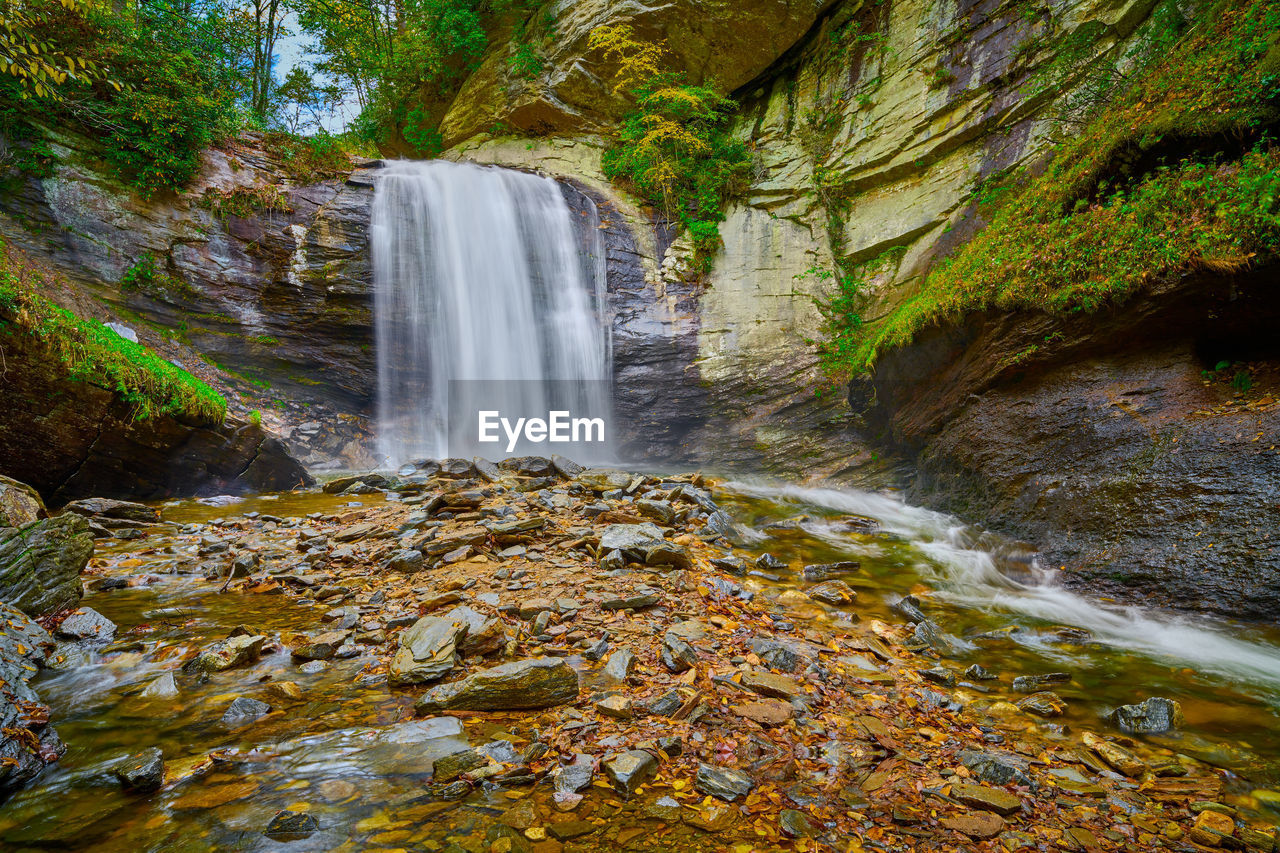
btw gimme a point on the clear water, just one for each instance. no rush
(481, 277)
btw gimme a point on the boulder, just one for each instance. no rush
(525, 684)
(428, 650)
(725, 783)
(40, 564)
(109, 508)
(20, 504)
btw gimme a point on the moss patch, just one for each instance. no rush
(92, 353)
(1085, 234)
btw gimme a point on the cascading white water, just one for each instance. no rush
(480, 274)
(967, 575)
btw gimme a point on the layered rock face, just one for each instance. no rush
(74, 439)
(267, 280)
(1108, 441)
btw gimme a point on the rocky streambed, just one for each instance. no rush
(539, 657)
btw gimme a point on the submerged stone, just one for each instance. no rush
(143, 772)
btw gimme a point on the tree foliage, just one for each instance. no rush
(673, 148)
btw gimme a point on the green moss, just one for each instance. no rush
(92, 353)
(1082, 235)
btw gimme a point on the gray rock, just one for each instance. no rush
(635, 600)
(596, 650)
(485, 634)
(830, 571)
(835, 592)
(786, 657)
(449, 767)
(666, 704)
(602, 480)
(998, 768)
(23, 647)
(627, 771)
(566, 468)
(677, 655)
(574, 777)
(143, 772)
(40, 564)
(978, 672)
(243, 710)
(406, 561)
(620, 665)
(109, 508)
(85, 623)
(163, 687)
(428, 650)
(722, 782)
(526, 684)
(660, 511)
(1152, 716)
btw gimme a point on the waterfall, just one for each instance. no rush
(480, 274)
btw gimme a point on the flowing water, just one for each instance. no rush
(351, 753)
(483, 280)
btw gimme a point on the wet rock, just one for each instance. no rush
(316, 650)
(143, 772)
(1213, 829)
(928, 635)
(976, 825)
(1152, 716)
(27, 741)
(20, 504)
(620, 665)
(613, 561)
(1044, 704)
(1115, 755)
(226, 654)
(796, 824)
(428, 650)
(85, 623)
(1032, 683)
(830, 571)
(526, 684)
(939, 675)
(677, 655)
(835, 592)
(356, 532)
(597, 650)
(773, 686)
(666, 704)
(660, 511)
(164, 687)
(576, 776)
(456, 468)
(40, 564)
(243, 710)
(289, 825)
(724, 783)
(731, 564)
(629, 770)
(455, 764)
(909, 608)
(989, 799)
(766, 712)
(997, 768)
(767, 562)
(979, 673)
(244, 564)
(565, 830)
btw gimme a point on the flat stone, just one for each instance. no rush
(767, 712)
(85, 623)
(635, 600)
(575, 776)
(227, 654)
(356, 532)
(428, 651)
(566, 830)
(1032, 683)
(243, 709)
(975, 825)
(997, 768)
(618, 707)
(989, 799)
(834, 592)
(773, 686)
(620, 665)
(526, 684)
(289, 825)
(725, 783)
(406, 561)
(1116, 756)
(1043, 704)
(830, 571)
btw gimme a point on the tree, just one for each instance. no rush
(302, 104)
(40, 68)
